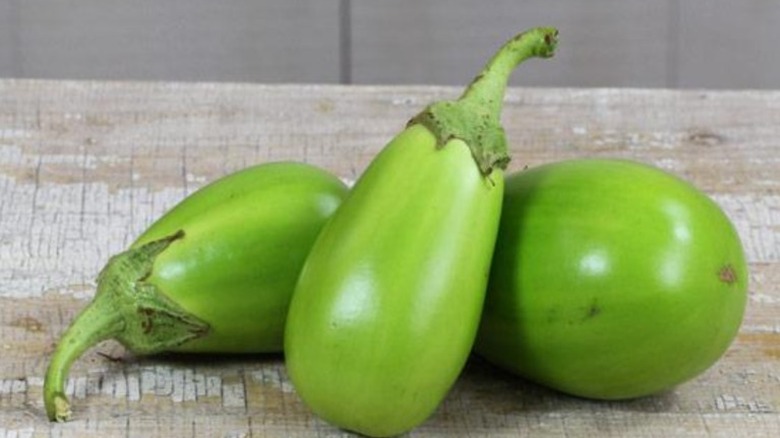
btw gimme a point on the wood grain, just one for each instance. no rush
(86, 166)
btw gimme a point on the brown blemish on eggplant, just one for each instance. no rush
(727, 274)
(148, 323)
(578, 315)
(592, 311)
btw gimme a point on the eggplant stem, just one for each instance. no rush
(489, 85)
(97, 322)
(127, 307)
(475, 118)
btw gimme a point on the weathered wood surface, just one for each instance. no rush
(85, 166)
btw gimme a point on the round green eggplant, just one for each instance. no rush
(611, 280)
(388, 302)
(215, 274)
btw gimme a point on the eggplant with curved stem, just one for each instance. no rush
(213, 275)
(389, 300)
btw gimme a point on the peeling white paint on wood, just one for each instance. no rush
(85, 167)
(233, 395)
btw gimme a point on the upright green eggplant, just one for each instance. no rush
(214, 274)
(388, 303)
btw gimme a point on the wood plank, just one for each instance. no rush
(86, 166)
(446, 42)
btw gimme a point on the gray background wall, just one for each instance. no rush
(634, 43)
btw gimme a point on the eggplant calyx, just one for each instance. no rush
(127, 308)
(482, 133)
(153, 322)
(475, 117)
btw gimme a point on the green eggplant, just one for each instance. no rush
(215, 274)
(388, 302)
(611, 280)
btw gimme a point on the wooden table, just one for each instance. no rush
(86, 166)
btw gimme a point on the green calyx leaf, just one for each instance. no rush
(483, 134)
(475, 118)
(127, 308)
(152, 322)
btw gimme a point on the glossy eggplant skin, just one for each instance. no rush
(387, 306)
(215, 274)
(611, 280)
(389, 300)
(245, 241)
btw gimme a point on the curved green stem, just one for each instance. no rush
(127, 307)
(475, 118)
(488, 88)
(97, 322)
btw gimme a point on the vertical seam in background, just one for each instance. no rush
(673, 46)
(345, 41)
